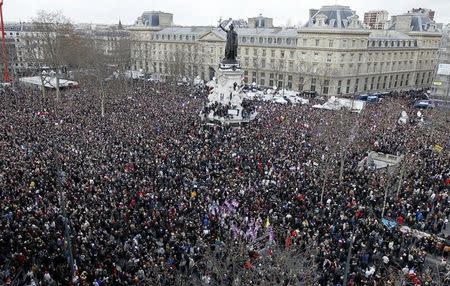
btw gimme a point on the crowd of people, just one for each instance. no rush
(149, 195)
(218, 109)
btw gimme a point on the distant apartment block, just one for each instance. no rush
(376, 19)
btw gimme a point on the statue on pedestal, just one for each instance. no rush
(231, 46)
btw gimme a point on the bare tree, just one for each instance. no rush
(234, 262)
(53, 44)
(279, 68)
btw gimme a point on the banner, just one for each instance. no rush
(438, 148)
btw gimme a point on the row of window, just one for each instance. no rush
(169, 37)
(269, 40)
(392, 44)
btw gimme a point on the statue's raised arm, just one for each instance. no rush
(220, 26)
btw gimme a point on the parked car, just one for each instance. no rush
(373, 98)
(423, 104)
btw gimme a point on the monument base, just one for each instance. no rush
(225, 102)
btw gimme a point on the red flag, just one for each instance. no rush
(260, 165)
(447, 182)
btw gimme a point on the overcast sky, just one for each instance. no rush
(207, 12)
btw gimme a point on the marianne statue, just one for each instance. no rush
(231, 46)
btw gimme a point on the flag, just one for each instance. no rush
(447, 182)
(236, 231)
(438, 148)
(271, 235)
(267, 223)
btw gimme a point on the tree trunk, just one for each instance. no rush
(43, 90)
(323, 186)
(341, 171)
(386, 191)
(102, 98)
(400, 180)
(103, 103)
(57, 87)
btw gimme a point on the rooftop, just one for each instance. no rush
(335, 16)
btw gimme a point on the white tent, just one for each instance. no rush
(49, 82)
(335, 103)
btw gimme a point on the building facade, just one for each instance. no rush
(441, 82)
(376, 20)
(331, 54)
(18, 60)
(25, 45)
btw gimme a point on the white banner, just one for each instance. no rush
(444, 69)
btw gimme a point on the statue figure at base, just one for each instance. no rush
(231, 46)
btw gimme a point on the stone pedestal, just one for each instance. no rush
(225, 100)
(226, 89)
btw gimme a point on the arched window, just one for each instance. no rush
(288, 41)
(269, 40)
(261, 40)
(279, 41)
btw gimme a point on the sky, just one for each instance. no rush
(207, 12)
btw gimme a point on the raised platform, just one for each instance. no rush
(378, 160)
(226, 98)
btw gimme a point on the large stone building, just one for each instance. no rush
(18, 60)
(25, 45)
(441, 82)
(376, 19)
(331, 54)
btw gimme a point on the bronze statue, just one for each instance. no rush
(231, 46)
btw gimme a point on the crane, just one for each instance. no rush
(4, 52)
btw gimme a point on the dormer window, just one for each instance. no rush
(321, 20)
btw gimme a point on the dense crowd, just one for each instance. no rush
(149, 195)
(218, 109)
